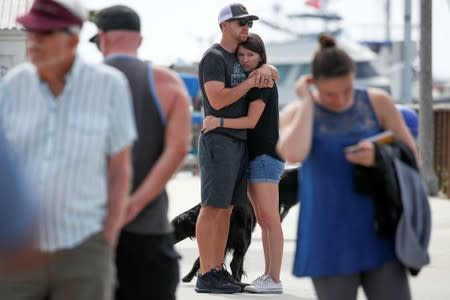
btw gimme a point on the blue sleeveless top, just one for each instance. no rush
(336, 234)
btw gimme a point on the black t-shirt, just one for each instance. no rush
(264, 137)
(218, 64)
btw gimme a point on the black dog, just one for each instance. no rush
(288, 191)
(242, 224)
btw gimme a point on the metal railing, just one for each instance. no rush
(442, 147)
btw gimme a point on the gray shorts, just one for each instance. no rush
(223, 165)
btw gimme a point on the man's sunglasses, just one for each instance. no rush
(243, 22)
(47, 32)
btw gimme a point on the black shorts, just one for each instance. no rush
(147, 267)
(223, 170)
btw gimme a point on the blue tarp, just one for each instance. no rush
(411, 119)
(191, 82)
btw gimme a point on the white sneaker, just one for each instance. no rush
(265, 286)
(261, 277)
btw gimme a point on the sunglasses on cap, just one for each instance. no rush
(243, 22)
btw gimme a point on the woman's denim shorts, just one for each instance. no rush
(265, 168)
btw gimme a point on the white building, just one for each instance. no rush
(12, 35)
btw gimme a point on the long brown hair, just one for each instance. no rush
(331, 61)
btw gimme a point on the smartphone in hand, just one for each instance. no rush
(385, 137)
(351, 149)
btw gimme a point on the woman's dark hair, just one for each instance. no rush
(329, 60)
(255, 43)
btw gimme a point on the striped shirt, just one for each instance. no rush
(65, 142)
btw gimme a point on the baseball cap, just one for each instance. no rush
(234, 11)
(53, 15)
(117, 17)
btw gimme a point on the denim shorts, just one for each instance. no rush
(265, 168)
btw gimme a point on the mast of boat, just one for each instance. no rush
(323, 9)
(407, 56)
(387, 28)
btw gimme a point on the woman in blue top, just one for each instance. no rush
(265, 166)
(337, 245)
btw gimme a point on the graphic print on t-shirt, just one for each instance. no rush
(237, 75)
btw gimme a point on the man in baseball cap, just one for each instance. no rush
(146, 260)
(233, 12)
(224, 86)
(117, 17)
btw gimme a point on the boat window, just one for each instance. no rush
(303, 70)
(365, 69)
(283, 70)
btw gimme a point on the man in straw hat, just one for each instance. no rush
(72, 126)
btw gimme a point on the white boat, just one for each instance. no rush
(293, 56)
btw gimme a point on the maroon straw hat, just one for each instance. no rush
(53, 15)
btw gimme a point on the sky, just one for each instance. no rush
(177, 31)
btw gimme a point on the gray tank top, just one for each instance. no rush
(150, 123)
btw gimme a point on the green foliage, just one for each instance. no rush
(91, 15)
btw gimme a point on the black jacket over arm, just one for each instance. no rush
(382, 184)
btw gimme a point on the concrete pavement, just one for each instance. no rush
(431, 283)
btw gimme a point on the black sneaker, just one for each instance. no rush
(215, 282)
(230, 278)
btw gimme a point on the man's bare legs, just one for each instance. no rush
(212, 233)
